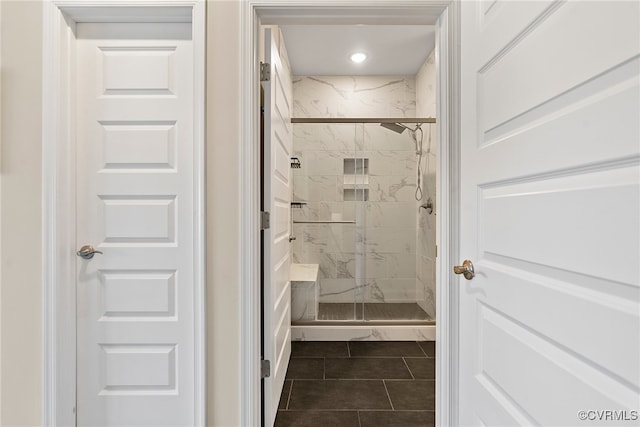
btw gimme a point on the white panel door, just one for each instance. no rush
(277, 248)
(550, 208)
(135, 163)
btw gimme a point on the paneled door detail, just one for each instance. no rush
(550, 201)
(278, 145)
(135, 204)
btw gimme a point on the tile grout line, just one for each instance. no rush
(289, 396)
(361, 379)
(422, 349)
(360, 410)
(408, 368)
(384, 383)
(389, 356)
(350, 356)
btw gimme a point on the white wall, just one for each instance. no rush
(223, 235)
(20, 190)
(20, 201)
(0, 211)
(426, 236)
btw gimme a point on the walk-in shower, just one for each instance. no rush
(357, 226)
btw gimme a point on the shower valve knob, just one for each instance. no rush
(466, 269)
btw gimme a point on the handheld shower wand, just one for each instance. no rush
(399, 128)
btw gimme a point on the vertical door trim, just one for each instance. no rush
(58, 190)
(250, 255)
(448, 86)
(448, 221)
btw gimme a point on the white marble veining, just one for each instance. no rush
(304, 301)
(317, 188)
(401, 266)
(390, 290)
(390, 214)
(376, 259)
(392, 188)
(426, 87)
(325, 137)
(303, 272)
(363, 333)
(426, 279)
(390, 162)
(316, 211)
(325, 238)
(420, 294)
(391, 240)
(304, 291)
(340, 290)
(354, 96)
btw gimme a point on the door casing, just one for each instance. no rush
(255, 12)
(58, 188)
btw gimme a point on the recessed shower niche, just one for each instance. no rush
(356, 180)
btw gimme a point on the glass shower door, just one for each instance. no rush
(392, 289)
(358, 221)
(324, 218)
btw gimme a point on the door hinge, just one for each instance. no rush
(265, 368)
(265, 71)
(265, 220)
(436, 251)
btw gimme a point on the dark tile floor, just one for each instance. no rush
(359, 384)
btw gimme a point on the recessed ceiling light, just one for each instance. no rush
(358, 57)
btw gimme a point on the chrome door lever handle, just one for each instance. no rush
(87, 252)
(466, 269)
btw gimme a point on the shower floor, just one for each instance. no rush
(372, 311)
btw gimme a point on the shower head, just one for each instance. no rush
(396, 127)
(399, 127)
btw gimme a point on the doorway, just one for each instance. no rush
(134, 203)
(291, 14)
(123, 162)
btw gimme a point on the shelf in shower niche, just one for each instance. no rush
(298, 204)
(355, 194)
(356, 180)
(324, 222)
(355, 166)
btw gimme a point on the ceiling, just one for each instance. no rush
(324, 50)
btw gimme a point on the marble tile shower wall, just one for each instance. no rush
(373, 260)
(354, 96)
(426, 236)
